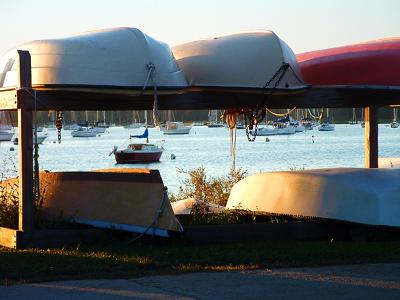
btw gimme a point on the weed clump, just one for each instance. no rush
(207, 188)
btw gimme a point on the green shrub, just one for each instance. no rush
(9, 197)
(209, 189)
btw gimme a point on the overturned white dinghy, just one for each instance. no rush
(111, 57)
(367, 196)
(133, 200)
(191, 205)
(253, 60)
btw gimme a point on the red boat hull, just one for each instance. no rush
(372, 63)
(134, 158)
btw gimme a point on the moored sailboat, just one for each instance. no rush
(394, 123)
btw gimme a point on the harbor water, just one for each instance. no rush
(210, 147)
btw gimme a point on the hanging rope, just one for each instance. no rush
(159, 213)
(321, 115)
(280, 115)
(230, 117)
(151, 75)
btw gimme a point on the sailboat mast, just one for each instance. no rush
(145, 121)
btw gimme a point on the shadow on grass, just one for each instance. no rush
(119, 259)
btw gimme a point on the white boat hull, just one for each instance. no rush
(40, 139)
(175, 128)
(326, 127)
(367, 196)
(265, 131)
(177, 131)
(6, 136)
(91, 132)
(100, 129)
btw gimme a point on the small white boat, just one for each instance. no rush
(175, 128)
(197, 124)
(85, 132)
(138, 152)
(276, 129)
(5, 136)
(307, 123)
(100, 129)
(215, 125)
(40, 139)
(6, 130)
(187, 206)
(394, 123)
(326, 126)
(71, 127)
(297, 126)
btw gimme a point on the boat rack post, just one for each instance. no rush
(371, 136)
(25, 145)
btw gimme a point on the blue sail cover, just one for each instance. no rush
(145, 135)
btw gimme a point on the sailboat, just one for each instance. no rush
(213, 121)
(326, 126)
(394, 123)
(101, 127)
(138, 152)
(135, 124)
(172, 127)
(6, 130)
(362, 118)
(353, 121)
(85, 131)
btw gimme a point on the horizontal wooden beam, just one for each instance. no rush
(206, 98)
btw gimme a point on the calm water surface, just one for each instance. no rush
(209, 147)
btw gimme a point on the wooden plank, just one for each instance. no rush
(371, 137)
(10, 238)
(8, 99)
(212, 98)
(25, 151)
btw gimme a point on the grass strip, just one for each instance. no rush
(123, 260)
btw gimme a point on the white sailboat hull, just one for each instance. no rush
(83, 132)
(265, 131)
(326, 127)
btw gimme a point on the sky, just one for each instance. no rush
(303, 24)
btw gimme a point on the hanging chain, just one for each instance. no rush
(252, 119)
(36, 178)
(59, 123)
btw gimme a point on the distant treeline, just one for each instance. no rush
(339, 115)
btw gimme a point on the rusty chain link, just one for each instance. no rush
(59, 123)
